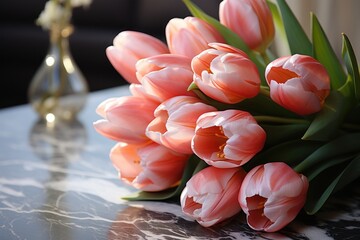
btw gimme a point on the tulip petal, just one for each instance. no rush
(298, 83)
(210, 196)
(228, 138)
(226, 74)
(272, 195)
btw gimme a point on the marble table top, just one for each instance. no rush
(58, 183)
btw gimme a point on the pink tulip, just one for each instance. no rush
(227, 139)
(125, 118)
(251, 20)
(226, 74)
(165, 76)
(210, 196)
(190, 36)
(137, 90)
(149, 167)
(299, 83)
(128, 48)
(175, 121)
(272, 195)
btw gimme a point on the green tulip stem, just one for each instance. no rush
(264, 90)
(272, 119)
(282, 120)
(265, 57)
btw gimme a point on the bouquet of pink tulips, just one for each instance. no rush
(217, 119)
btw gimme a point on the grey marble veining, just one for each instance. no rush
(58, 183)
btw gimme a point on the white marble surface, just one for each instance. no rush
(59, 184)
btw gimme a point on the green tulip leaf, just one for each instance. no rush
(276, 134)
(152, 196)
(325, 54)
(327, 122)
(321, 188)
(351, 65)
(263, 105)
(298, 41)
(343, 145)
(279, 25)
(190, 167)
(291, 152)
(312, 173)
(201, 165)
(352, 173)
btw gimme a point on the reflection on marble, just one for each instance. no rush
(58, 183)
(52, 140)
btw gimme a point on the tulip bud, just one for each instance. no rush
(226, 74)
(210, 196)
(174, 123)
(121, 118)
(251, 20)
(272, 195)
(165, 76)
(299, 83)
(190, 36)
(227, 139)
(148, 167)
(128, 48)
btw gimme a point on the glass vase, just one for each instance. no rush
(58, 90)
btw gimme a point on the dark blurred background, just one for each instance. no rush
(23, 44)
